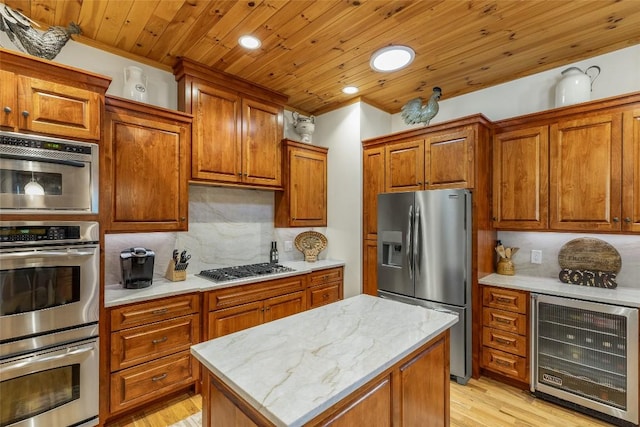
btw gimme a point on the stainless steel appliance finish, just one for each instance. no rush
(53, 387)
(241, 271)
(585, 355)
(65, 171)
(49, 277)
(424, 258)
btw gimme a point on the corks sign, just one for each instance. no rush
(589, 262)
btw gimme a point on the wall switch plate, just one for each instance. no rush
(536, 256)
(288, 246)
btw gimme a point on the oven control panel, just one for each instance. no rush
(45, 143)
(11, 234)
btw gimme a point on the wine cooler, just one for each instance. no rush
(585, 355)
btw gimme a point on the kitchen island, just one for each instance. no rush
(360, 361)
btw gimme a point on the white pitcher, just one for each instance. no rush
(135, 84)
(575, 86)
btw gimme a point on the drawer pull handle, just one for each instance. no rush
(325, 296)
(159, 377)
(160, 311)
(502, 320)
(163, 339)
(505, 300)
(502, 341)
(25, 114)
(503, 362)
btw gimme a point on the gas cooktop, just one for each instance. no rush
(242, 271)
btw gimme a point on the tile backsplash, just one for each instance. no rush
(550, 244)
(227, 226)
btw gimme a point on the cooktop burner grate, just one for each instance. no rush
(241, 271)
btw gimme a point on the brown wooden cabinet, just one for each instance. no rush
(148, 350)
(373, 183)
(520, 178)
(39, 96)
(370, 267)
(303, 203)
(404, 166)
(144, 175)
(325, 287)
(237, 128)
(631, 171)
(505, 338)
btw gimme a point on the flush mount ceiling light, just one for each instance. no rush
(391, 58)
(350, 90)
(249, 42)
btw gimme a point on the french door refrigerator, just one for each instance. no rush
(424, 258)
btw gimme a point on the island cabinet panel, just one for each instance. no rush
(147, 352)
(303, 203)
(144, 163)
(39, 96)
(585, 173)
(520, 178)
(631, 171)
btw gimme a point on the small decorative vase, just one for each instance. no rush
(304, 126)
(135, 84)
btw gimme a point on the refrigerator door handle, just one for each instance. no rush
(410, 241)
(416, 241)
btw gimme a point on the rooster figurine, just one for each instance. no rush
(413, 112)
(20, 31)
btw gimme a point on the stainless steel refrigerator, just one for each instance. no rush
(424, 258)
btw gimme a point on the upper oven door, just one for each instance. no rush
(47, 289)
(36, 178)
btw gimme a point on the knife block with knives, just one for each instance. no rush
(177, 268)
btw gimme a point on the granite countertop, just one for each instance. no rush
(115, 294)
(294, 368)
(628, 297)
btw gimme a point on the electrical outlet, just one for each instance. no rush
(536, 256)
(288, 246)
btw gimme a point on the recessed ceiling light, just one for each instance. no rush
(349, 90)
(391, 58)
(249, 42)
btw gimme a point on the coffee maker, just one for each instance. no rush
(137, 267)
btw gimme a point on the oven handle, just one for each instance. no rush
(73, 163)
(35, 363)
(18, 255)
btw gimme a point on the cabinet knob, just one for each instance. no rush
(616, 219)
(25, 114)
(7, 110)
(239, 173)
(493, 218)
(627, 220)
(183, 219)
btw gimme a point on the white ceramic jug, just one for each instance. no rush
(575, 86)
(135, 84)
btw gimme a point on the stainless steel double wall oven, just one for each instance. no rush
(49, 346)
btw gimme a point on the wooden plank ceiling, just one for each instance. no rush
(312, 49)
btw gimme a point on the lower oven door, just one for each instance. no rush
(53, 388)
(48, 289)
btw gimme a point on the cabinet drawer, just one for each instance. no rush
(237, 295)
(505, 363)
(133, 386)
(325, 276)
(153, 311)
(505, 299)
(505, 320)
(321, 295)
(144, 343)
(505, 341)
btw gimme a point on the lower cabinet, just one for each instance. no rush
(505, 337)
(325, 287)
(149, 354)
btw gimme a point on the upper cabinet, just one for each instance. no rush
(303, 203)
(39, 96)
(144, 174)
(237, 128)
(569, 169)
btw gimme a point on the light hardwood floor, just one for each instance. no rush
(481, 403)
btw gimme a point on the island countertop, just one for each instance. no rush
(293, 369)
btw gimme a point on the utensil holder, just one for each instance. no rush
(506, 267)
(173, 274)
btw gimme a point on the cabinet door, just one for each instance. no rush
(308, 188)
(372, 185)
(404, 166)
(585, 174)
(521, 179)
(370, 268)
(284, 305)
(8, 100)
(58, 109)
(449, 159)
(234, 319)
(262, 132)
(145, 183)
(217, 138)
(631, 172)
